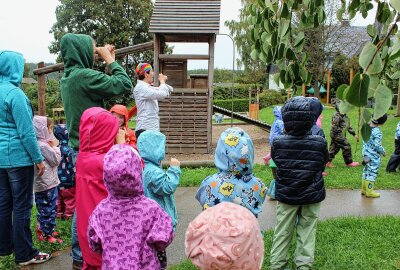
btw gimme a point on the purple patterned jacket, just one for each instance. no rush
(126, 227)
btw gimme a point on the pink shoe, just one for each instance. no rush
(324, 173)
(267, 158)
(53, 240)
(329, 165)
(353, 164)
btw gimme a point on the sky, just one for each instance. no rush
(26, 24)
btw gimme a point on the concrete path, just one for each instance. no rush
(337, 203)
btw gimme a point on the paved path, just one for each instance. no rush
(337, 203)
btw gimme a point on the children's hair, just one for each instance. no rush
(380, 121)
(225, 236)
(49, 122)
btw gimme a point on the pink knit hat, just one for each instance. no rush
(225, 236)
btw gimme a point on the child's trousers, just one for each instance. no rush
(66, 203)
(286, 216)
(46, 204)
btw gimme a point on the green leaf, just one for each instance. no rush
(373, 84)
(276, 78)
(383, 100)
(299, 39)
(357, 94)
(396, 75)
(274, 39)
(365, 116)
(285, 11)
(345, 107)
(340, 91)
(395, 49)
(366, 132)
(371, 30)
(282, 76)
(261, 3)
(263, 57)
(254, 55)
(268, 4)
(253, 9)
(321, 16)
(366, 56)
(290, 55)
(283, 28)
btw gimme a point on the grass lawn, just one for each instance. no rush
(339, 177)
(346, 244)
(63, 227)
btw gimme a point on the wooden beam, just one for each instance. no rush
(42, 91)
(303, 88)
(156, 59)
(187, 38)
(211, 49)
(351, 74)
(328, 91)
(184, 56)
(118, 53)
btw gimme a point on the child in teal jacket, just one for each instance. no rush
(158, 184)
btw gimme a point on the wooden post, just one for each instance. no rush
(328, 93)
(42, 91)
(288, 93)
(351, 74)
(156, 59)
(303, 88)
(249, 98)
(211, 44)
(398, 99)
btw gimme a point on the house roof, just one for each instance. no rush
(322, 89)
(186, 16)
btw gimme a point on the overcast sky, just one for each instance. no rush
(25, 25)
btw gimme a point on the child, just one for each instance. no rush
(127, 228)
(234, 182)
(46, 185)
(317, 109)
(372, 152)
(226, 236)
(341, 125)
(121, 112)
(147, 96)
(97, 132)
(300, 158)
(66, 175)
(158, 184)
(276, 130)
(394, 161)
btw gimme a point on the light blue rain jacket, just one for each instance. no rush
(158, 184)
(235, 182)
(277, 125)
(373, 150)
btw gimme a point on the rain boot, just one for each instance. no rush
(363, 187)
(369, 190)
(39, 234)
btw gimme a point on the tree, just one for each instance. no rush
(254, 71)
(341, 70)
(277, 41)
(122, 23)
(53, 96)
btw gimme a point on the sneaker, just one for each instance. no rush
(353, 164)
(40, 258)
(52, 240)
(329, 165)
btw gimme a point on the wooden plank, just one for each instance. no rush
(186, 38)
(183, 105)
(41, 91)
(118, 53)
(184, 57)
(189, 90)
(175, 150)
(185, 111)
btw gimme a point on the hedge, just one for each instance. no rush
(271, 97)
(239, 105)
(240, 91)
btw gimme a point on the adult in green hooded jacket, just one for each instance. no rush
(81, 86)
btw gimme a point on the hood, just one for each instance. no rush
(77, 51)
(235, 152)
(61, 133)
(41, 129)
(97, 130)
(278, 112)
(151, 145)
(298, 117)
(122, 110)
(11, 67)
(316, 107)
(123, 172)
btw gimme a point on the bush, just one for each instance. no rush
(239, 105)
(271, 97)
(225, 92)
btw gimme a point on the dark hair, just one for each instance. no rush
(381, 120)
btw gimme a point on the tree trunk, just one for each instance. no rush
(316, 89)
(266, 83)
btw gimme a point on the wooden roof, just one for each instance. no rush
(186, 16)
